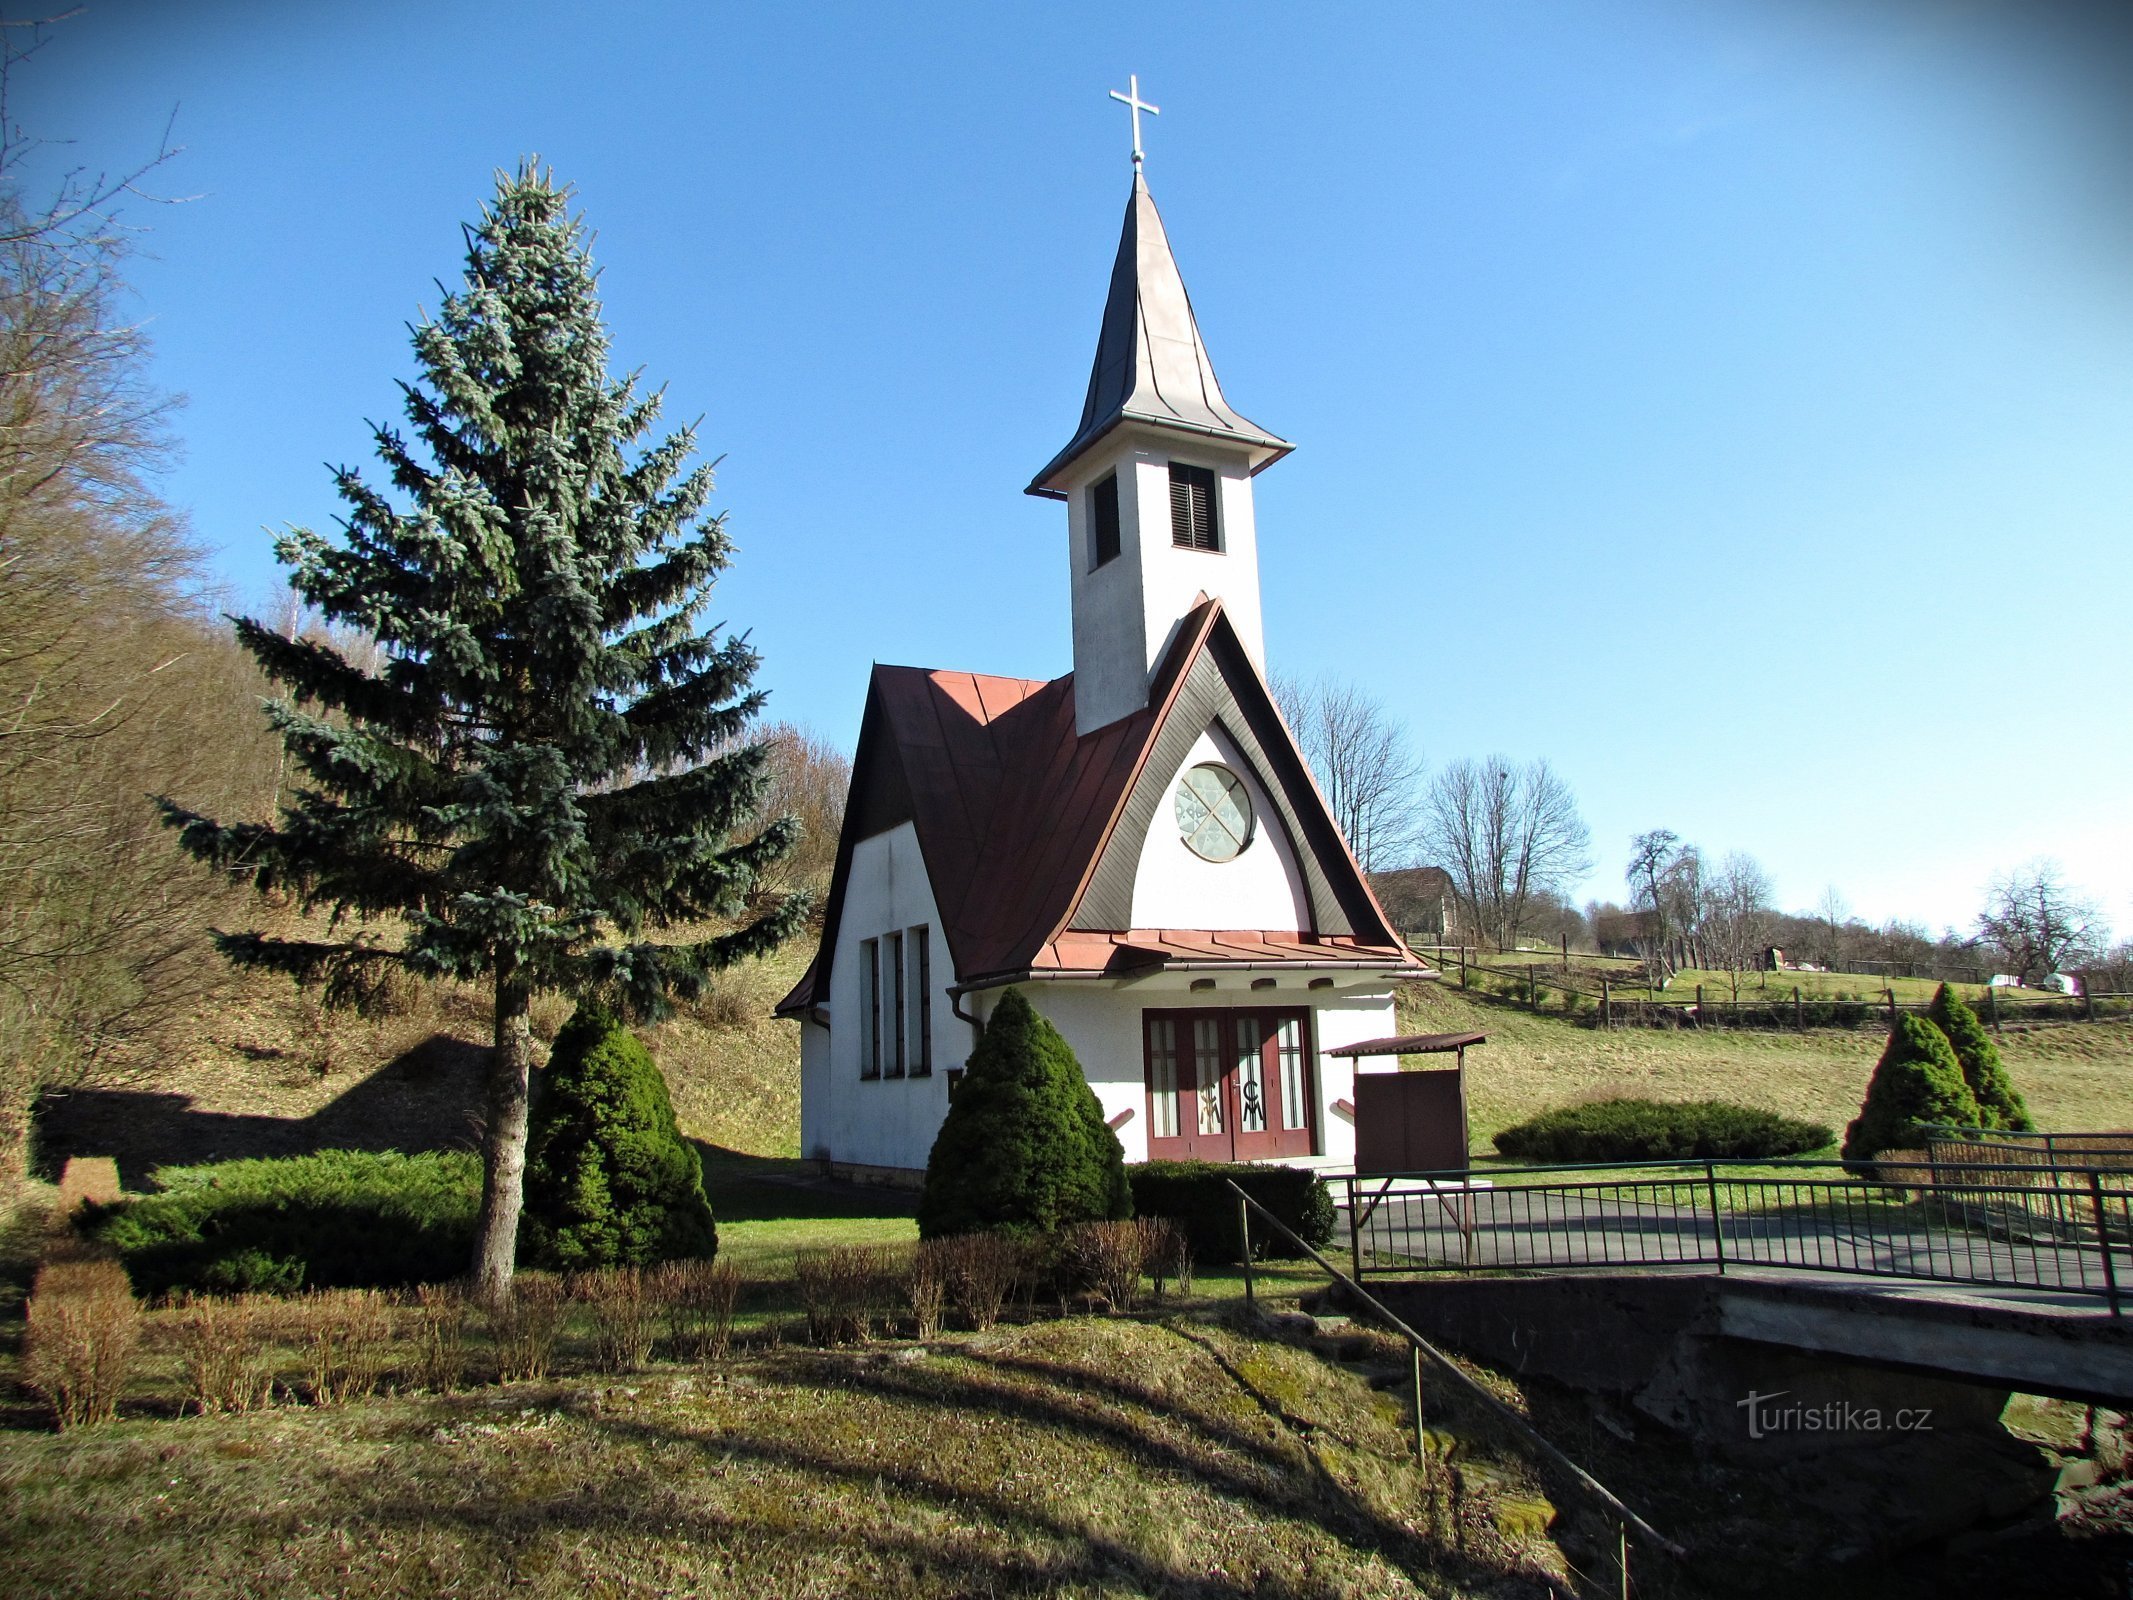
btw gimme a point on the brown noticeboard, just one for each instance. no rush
(1410, 1122)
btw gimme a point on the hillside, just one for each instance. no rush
(2074, 1076)
(266, 1072)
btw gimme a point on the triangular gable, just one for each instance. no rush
(1219, 687)
(1029, 832)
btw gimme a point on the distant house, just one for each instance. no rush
(1420, 902)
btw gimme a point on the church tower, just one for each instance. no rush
(1157, 481)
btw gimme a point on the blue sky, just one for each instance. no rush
(1732, 402)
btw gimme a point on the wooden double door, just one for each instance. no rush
(1230, 1084)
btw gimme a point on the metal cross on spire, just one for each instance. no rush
(1132, 98)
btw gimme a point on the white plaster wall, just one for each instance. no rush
(887, 1122)
(1261, 888)
(1126, 610)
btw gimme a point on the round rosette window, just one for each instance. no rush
(1214, 812)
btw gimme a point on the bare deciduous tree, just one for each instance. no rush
(809, 779)
(2039, 923)
(1360, 756)
(1506, 834)
(1738, 912)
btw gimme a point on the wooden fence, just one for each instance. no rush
(1591, 998)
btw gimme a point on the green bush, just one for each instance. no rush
(334, 1219)
(1660, 1130)
(610, 1182)
(1196, 1196)
(1917, 1083)
(1024, 1146)
(1999, 1105)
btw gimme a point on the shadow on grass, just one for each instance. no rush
(746, 1188)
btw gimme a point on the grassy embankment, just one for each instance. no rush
(2074, 1076)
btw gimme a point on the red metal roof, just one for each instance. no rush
(1012, 811)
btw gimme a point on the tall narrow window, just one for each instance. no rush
(1295, 1098)
(1192, 508)
(1251, 1077)
(870, 1008)
(1103, 522)
(895, 976)
(1162, 1078)
(1207, 1070)
(921, 1004)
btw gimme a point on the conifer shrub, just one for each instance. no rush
(609, 1179)
(331, 1219)
(1917, 1084)
(1999, 1104)
(1197, 1198)
(1660, 1130)
(1024, 1146)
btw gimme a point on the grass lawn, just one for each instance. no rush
(2078, 1076)
(1085, 1457)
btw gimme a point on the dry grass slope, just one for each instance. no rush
(1079, 1458)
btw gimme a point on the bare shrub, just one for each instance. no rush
(1165, 1254)
(346, 1337)
(83, 1326)
(524, 1323)
(697, 1298)
(223, 1351)
(622, 1316)
(839, 1288)
(1106, 1257)
(441, 1336)
(926, 1287)
(982, 1271)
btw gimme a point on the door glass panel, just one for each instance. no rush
(1295, 1104)
(1251, 1087)
(1207, 1067)
(1163, 1079)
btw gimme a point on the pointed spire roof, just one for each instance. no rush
(1151, 365)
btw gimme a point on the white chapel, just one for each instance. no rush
(1138, 845)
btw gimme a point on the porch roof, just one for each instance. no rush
(1411, 1044)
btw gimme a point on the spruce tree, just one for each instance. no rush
(1024, 1147)
(1917, 1083)
(547, 769)
(1999, 1104)
(610, 1181)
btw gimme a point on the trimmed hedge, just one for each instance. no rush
(1999, 1103)
(334, 1219)
(610, 1181)
(1918, 1083)
(1660, 1130)
(1024, 1147)
(1196, 1196)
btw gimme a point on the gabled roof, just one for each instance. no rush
(1017, 818)
(1151, 364)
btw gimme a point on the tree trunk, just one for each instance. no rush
(503, 1165)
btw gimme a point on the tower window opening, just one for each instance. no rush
(1103, 522)
(1192, 508)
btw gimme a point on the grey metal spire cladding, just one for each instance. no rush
(1151, 366)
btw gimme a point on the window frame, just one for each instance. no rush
(1187, 477)
(1103, 497)
(922, 1013)
(870, 1009)
(893, 1067)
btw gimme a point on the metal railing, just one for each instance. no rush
(1553, 1461)
(2006, 1225)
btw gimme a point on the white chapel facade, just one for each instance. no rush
(1138, 846)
